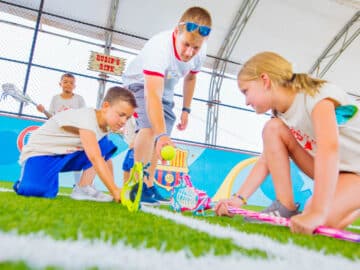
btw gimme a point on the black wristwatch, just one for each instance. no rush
(184, 109)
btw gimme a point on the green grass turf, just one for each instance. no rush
(64, 218)
(106, 221)
(23, 266)
(327, 244)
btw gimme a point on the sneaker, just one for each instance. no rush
(16, 186)
(277, 209)
(89, 193)
(158, 197)
(148, 197)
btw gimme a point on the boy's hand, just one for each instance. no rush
(40, 108)
(116, 195)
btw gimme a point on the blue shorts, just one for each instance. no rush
(129, 160)
(40, 174)
(143, 120)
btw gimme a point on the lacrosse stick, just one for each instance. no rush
(321, 230)
(10, 89)
(132, 188)
(185, 197)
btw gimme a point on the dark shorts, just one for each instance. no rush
(40, 174)
(129, 160)
(143, 121)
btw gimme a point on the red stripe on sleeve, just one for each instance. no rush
(153, 73)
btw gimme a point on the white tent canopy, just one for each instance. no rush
(298, 30)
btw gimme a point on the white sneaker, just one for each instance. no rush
(89, 193)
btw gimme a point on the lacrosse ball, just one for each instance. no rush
(168, 152)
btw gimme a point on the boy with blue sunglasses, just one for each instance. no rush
(165, 59)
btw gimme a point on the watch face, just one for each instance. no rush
(184, 109)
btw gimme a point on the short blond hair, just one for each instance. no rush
(280, 73)
(197, 15)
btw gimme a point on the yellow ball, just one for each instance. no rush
(168, 152)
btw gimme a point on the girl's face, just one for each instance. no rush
(117, 114)
(257, 95)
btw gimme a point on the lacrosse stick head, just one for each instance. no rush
(185, 197)
(132, 188)
(9, 89)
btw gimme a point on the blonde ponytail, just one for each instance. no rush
(280, 73)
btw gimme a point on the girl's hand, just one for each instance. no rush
(221, 208)
(307, 222)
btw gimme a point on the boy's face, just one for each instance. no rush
(117, 114)
(67, 84)
(188, 44)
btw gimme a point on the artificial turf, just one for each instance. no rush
(63, 218)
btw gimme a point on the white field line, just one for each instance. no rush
(67, 195)
(6, 190)
(285, 252)
(40, 251)
(354, 227)
(11, 190)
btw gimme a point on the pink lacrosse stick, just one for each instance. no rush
(321, 230)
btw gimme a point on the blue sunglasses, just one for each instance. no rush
(191, 27)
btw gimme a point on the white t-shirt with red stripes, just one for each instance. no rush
(159, 58)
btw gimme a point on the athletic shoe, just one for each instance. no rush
(16, 186)
(148, 197)
(158, 197)
(277, 209)
(89, 193)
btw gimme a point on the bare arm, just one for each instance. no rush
(255, 178)
(188, 91)
(252, 182)
(154, 87)
(41, 109)
(326, 168)
(47, 114)
(327, 156)
(93, 152)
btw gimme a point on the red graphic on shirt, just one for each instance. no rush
(308, 146)
(63, 108)
(303, 139)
